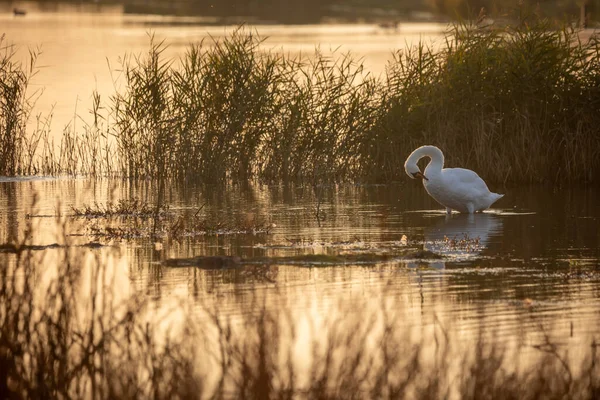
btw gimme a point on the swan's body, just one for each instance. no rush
(455, 188)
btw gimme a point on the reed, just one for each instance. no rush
(30, 149)
(517, 103)
(232, 111)
(15, 105)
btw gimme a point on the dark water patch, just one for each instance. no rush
(205, 262)
(17, 249)
(310, 260)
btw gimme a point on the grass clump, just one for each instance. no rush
(128, 219)
(15, 107)
(232, 111)
(122, 208)
(516, 103)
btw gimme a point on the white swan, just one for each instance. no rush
(455, 188)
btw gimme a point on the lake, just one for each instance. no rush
(531, 261)
(524, 275)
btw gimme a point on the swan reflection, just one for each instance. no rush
(459, 237)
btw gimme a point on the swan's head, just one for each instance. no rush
(413, 170)
(411, 167)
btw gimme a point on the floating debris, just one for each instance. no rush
(12, 248)
(404, 240)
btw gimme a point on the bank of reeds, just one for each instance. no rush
(232, 112)
(15, 107)
(64, 334)
(517, 103)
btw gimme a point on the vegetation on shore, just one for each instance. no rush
(15, 109)
(517, 103)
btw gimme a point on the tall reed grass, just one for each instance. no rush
(84, 146)
(15, 106)
(232, 111)
(516, 103)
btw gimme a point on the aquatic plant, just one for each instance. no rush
(232, 111)
(121, 208)
(128, 219)
(15, 106)
(517, 103)
(465, 243)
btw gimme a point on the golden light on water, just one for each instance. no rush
(312, 288)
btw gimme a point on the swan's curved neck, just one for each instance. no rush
(437, 158)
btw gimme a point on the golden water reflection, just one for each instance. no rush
(514, 274)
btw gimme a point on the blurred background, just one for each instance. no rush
(319, 11)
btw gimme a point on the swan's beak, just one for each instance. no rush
(420, 175)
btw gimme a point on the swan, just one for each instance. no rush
(455, 188)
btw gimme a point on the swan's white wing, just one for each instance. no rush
(464, 175)
(460, 187)
(467, 179)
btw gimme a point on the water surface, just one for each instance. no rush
(529, 266)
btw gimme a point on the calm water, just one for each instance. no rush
(529, 264)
